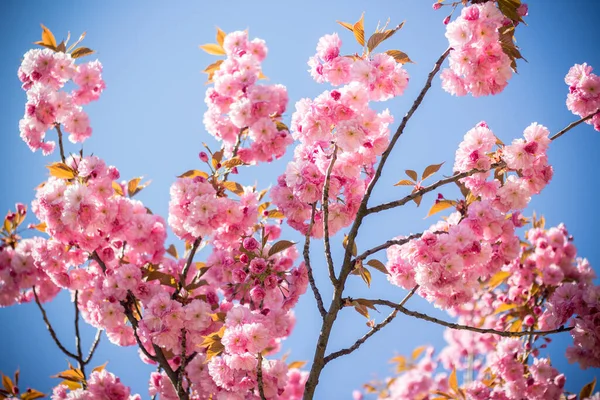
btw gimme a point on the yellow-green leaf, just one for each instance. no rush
(453, 381)
(280, 246)
(359, 30)
(48, 37)
(81, 52)
(100, 368)
(399, 56)
(412, 174)
(354, 248)
(172, 251)
(276, 214)
(498, 278)
(365, 274)
(192, 173)
(213, 67)
(214, 49)
(404, 182)
(587, 390)
(32, 394)
(233, 187)
(378, 265)
(504, 307)
(430, 170)
(346, 25)
(7, 383)
(220, 36)
(118, 188)
(417, 352)
(440, 205)
(234, 162)
(132, 186)
(296, 364)
(61, 170)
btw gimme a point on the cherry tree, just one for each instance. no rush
(213, 325)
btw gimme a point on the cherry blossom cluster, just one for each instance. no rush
(480, 239)
(18, 274)
(101, 385)
(198, 208)
(478, 64)
(44, 73)
(338, 123)
(240, 108)
(584, 93)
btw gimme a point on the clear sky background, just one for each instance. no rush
(149, 122)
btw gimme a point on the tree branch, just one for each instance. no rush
(453, 325)
(259, 378)
(325, 204)
(78, 336)
(389, 243)
(60, 142)
(94, 347)
(50, 329)
(329, 319)
(573, 125)
(373, 331)
(306, 253)
(456, 177)
(187, 265)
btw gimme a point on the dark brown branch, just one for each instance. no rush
(347, 265)
(159, 356)
(325, 204)
(456, 177)
(259, 378)
(51, 329)
(373, 331)
(94, 347)
(573, 125)
(387, 244)
(78, 335)
(453, 325)
(60, 142)
(306, 253)
(187, 265)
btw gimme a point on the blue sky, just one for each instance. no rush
(149, 122)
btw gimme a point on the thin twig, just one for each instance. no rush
(456, 177)
(453, 325)
(573, 125)
(60, 142)
(187, 265)
(387, 244)
(373, 331)
(259, 378)
(325, 205)
(78, 336)
(306, 253)
(94, 347)
(236, 148)
(347, 265)
(50, 329)
(159, 356)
